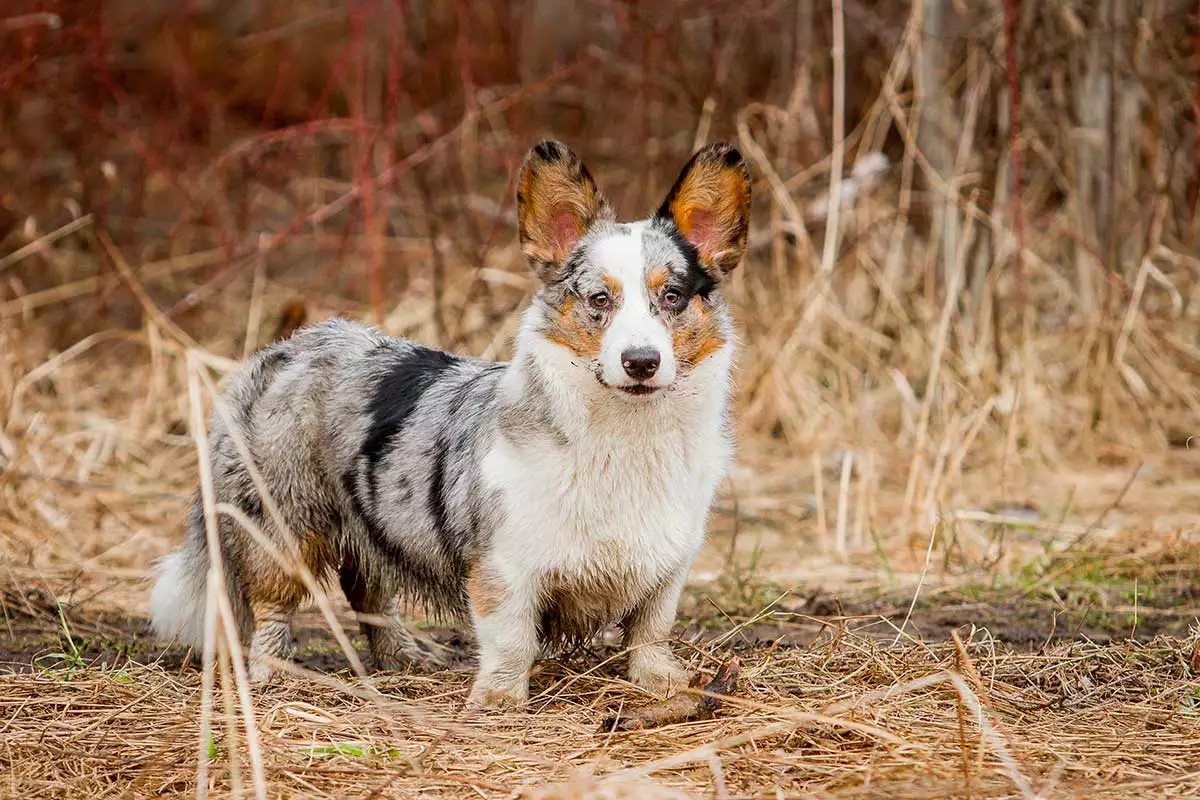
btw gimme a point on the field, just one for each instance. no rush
(959, 553)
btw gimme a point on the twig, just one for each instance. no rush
(920, 583)
(833, 227)
(219, 607)
(935, 364)
(844, 503)
(819, 492)
(45, 241)
(1014, 143)
(686, 706)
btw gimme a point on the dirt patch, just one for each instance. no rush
(44, 634)
(1016, 618)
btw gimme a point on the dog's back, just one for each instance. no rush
(369, 446)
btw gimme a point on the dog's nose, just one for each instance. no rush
(640, 363)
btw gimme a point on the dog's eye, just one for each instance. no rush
(673, 300)
(600, 300)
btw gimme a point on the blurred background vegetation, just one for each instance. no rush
(974, 249)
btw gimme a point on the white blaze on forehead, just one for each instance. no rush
(634, 323)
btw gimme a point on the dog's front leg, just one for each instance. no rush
(505, 619)
(647, 627)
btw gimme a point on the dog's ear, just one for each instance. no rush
(710, 205)
(557, 201)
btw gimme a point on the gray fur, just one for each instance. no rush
(410, 522)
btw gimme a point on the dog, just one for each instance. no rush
(541, 499)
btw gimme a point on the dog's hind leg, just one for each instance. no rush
(274, 597)
(272, 639)
(274, 594)
(373, 598)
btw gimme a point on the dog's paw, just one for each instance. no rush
(660, 674)
(259, 672)
(396, 650)
(485, 696)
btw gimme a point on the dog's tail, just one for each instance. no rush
(179, 599)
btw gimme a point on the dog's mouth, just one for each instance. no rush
(632, 389)
(639, 389)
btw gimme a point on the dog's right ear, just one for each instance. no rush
(557, 201)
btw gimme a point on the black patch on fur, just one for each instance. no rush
(550, 151)
(409, 375)
(570, 268)
(437, 492)
(451, 537)
(396, 396)
(438, 582)
(415, 577)
(353, 582)
(696, 280)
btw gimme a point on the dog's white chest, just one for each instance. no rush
(616, 513)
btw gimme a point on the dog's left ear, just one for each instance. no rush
(710, 205)
(557, 201)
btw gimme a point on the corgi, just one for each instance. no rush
(541, 499)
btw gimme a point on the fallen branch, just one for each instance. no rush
(693, 703)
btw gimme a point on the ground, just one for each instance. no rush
(1086, 684)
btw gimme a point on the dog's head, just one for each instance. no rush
(637, 304)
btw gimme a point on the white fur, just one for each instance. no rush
(627, 499)
(634, 324)
(177, 602)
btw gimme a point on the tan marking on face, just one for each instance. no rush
(695, 335)
(576, 331)
(613, 285)
(485, 590)
(656, 279)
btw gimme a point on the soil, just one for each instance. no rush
(35, 634)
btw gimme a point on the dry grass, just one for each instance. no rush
(965, 412)
(847, 716)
